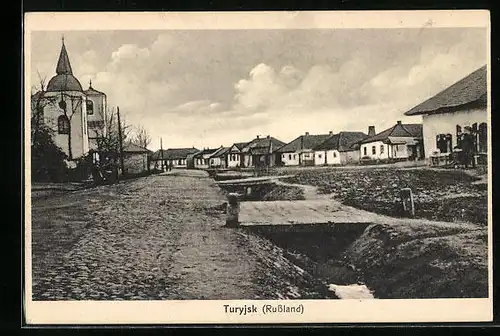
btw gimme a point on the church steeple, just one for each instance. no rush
(63, 65)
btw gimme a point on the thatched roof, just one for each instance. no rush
(397, 131)
(343, 141)
(469, 90)
(303, 142)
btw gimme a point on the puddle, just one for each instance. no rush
(354, 291)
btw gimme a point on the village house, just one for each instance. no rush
(174, 157)
(399, 142)
(261, 152)
(339, 149)
(201, 159)
(454, 112)
(233, 155)
(218, 158)
(300, 151)
(76, 116)
(135, 159)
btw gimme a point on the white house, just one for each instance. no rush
(341, 148)
(175, 157)
(201, 159)
(446, 115)
(400, 142)
(300, 151)
(217, 159)
(233, 155)
(261, 152)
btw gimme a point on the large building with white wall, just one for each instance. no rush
(77, 116)
(448, 114)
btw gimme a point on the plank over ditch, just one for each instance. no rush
(297, 212)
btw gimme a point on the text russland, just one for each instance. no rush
(252, 309)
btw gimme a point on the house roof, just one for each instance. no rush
(64, 79)
(174, 153)
(268, 142)
(205, 151)
(342, 141)
(240, 145)
(470, 89)
(307, 141)
(133, 148)
(397, 131)
(219, 152)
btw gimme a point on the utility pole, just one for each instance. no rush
(120, 138)
(161, 155)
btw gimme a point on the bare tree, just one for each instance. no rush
(141, 137)
(39, 100)
(106, 133)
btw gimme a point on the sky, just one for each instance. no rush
(207, 88)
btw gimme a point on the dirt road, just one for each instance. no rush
(158, 237)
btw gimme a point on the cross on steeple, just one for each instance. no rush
(90, 83)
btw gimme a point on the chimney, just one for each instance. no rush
(371, 131)
(258, 136)
(399, 122)
(307, 133)
(330, 132)
(268, 137)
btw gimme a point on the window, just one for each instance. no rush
(320, 156)
(180, 162)
(289, 156)
(335, 154)
(63, 125)
(90, 107)
(443, 143)
(364, 151)
(374, 150)
(295, 156)
(381, 149)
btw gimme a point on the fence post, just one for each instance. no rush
(233, 210)
(407, 201)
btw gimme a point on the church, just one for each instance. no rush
(77, 116)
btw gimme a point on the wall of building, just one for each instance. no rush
(135, 163)
(399, 151)
(79, 136)
(349, 157)
(99, 114)
(233, 160)
(290, 159)
(381, 150)
(446, 123)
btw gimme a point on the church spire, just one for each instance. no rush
(63, 65)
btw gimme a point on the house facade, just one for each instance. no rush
(234, 156)
(261, 152)
(218, 158)
(339, 149)
(300, 151)
(400, 142)
(455, 113)
(135, 159)
(201, 159)
(174, 157)
(72, 113)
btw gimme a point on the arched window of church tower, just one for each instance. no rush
(90, 107)
(63, 125)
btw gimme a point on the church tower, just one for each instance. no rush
(65, 109)
(77, 117)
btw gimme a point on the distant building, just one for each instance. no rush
(399, 142)
(234, 156)
(201, 159)
(77, 116)
(135, 159)
(261, 152)
(460, 107)
(175, 157)
(218, 158)
(300, 151)
(339, 149)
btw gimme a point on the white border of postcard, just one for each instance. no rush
(212, 312)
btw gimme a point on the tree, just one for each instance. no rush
(39, 100)
(141, 137)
